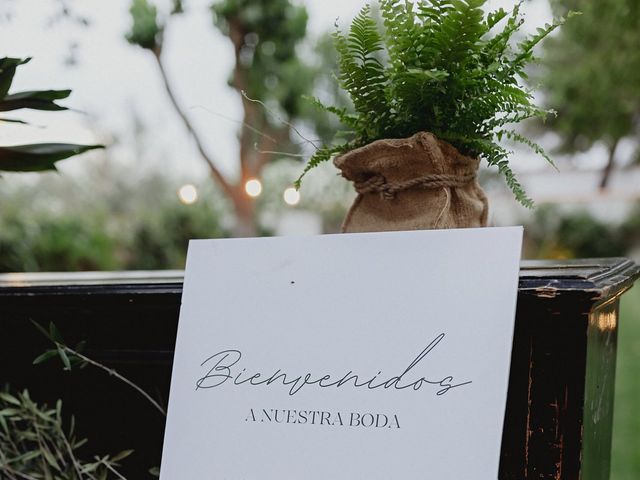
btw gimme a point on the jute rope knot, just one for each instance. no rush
(388, 190)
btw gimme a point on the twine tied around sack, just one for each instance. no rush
(388, 190)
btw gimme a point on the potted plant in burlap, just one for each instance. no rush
(435, 90)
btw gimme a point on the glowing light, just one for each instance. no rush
(253, 187)
(188, 194)
(291, 196)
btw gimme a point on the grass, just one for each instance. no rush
(626, 421)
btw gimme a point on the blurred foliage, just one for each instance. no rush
(61, 243)
(161, 240)
(553, 233)
(114, 217)
(267, 34)
(36, 444)
(124, 227)
(145, 29)
(591, 74)
(328, 196)
(34, 157)
(271, 73)
(630, 229)
(625, 461)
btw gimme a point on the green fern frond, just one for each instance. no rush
(458, 33)
(500, 41)
(513, 183)
(322, 155)
(442, 66)
(362, 74)
(495, 17)
(516, 137)
(526, 47)
(343, 114)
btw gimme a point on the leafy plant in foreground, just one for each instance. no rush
(441, 66)
(39, 156)
(35, 444)
(72, 358)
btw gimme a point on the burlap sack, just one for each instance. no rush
(416, 183)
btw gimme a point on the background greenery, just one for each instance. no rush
(138, 225)
(626, 421)
(598, 98)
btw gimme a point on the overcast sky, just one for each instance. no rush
(113, 80)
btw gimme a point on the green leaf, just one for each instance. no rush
(26, 457)
(7, 71)
(494, 17)
(55, 334)
(13, 120)
(3, 424)
(65, 358)
(121, 456)
(145, 30)
(35, 100)
(9, 412)
(51, 460)
(39, 157)
(9, 399)
(45, 356)
(77, 362)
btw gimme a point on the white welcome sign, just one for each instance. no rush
(344, 357)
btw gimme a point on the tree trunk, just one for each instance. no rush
(608, 169)
(245, 221)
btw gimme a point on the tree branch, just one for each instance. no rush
(215, 172)
(277, 138)
(113, 373)
(608, 169)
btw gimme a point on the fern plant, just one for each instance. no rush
(441, 66)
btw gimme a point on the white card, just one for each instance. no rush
(344, 357)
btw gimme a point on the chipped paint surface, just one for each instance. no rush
(529, 400)
(547, 292)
